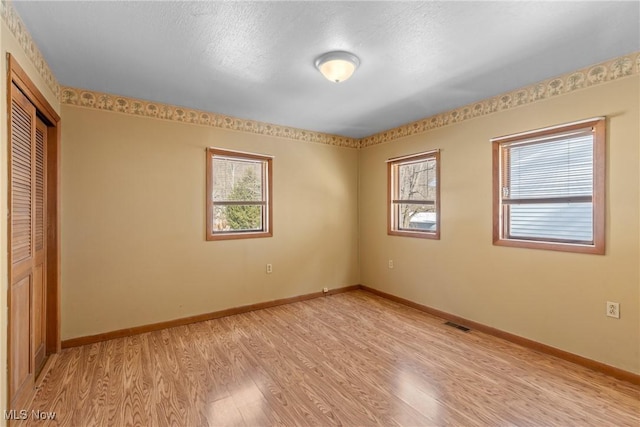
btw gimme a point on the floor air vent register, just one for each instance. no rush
(455, 325)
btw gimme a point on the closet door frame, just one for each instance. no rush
(16, 75)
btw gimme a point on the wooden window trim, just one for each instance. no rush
(391, 191)
(598, 198)
(268, 201)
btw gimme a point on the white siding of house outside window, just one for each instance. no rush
(551, 169)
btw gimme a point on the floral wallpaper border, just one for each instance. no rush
(122, 104)
(19, 30)
(104, 101)
(614, 69)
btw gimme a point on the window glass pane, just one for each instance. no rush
(416, 217)
(549, 188)
(559, 221)
(237, 218)
(551, 169)
(236, 180)
(413, 185)
(417, 180)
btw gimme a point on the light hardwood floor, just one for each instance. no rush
(350, 359)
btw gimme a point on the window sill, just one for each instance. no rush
(237, 236)
(561, 247)
(417, 234)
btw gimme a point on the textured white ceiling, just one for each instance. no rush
(254, 60)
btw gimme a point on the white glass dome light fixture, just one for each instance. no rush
(337, 66)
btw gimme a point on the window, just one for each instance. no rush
(239, 201)
(414, 195)
(548, 188)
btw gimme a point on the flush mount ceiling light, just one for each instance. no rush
(337, 66)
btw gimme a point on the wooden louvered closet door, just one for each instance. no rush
(39, 303)
(27, 304)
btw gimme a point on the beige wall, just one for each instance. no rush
(9, 44)
(133, 221)
(552, 297)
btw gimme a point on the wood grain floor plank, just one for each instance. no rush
(331, 400)
(273, 371)
(351, 359)
(137, 392)
(298, 367)
(378, 372)
(171, 396)
(331, 349)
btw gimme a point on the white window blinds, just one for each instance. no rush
(547, 187)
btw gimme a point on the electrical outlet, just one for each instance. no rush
(269, 268)
(390, 263)
(613, 309)
(325, 290)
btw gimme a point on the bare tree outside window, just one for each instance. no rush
(417, 181)
(413, 197)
